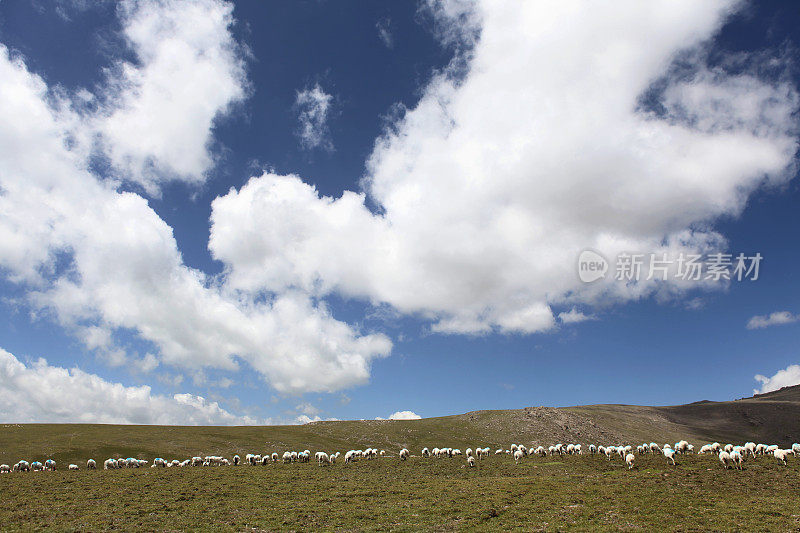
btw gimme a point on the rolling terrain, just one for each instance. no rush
(554, 493)
(770, 418)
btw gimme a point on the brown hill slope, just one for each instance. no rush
(771, 418)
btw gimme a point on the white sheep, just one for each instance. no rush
(470, 461)
(91, 465)
(323, 458)
(750, 447)
(736, 459)
(728, 448)
(796, 448)
(404, 454)
(669, 453)
(518, 455)
(781, 455)
(426, 452)
(682, 446)
(236, 460)
(629, 459)
(592, 449)
(725, 459)
(468, 452)
(110, 464)
(72, 467)
(5, 469)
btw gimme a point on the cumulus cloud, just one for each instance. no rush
(573, 316)
(404, 415)
(99, 260)
(534, 145)
(40, 392)
(313, 108)
(158, 112)
(783, 378)
(775, 319)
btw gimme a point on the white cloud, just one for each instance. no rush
(313, 108)
(775, 319)
(573, 316)
(307, 409)
(404, 415)
(385, 32)
(100, 260)
(783, 378)
(159, 112)
(40, 392)
(532, 147)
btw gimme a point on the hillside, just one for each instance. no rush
(772, 417)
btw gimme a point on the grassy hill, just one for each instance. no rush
(772, 418)
(583, 493)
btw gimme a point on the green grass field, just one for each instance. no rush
(547, 494)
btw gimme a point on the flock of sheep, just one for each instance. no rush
(730, 456)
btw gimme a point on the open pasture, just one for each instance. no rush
(540, 493)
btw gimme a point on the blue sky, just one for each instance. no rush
(286, 211)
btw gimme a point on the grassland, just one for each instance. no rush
(553, 493)
(539, 494)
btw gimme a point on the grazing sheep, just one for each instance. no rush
(669, 453)
(236, 460)
(468, 452)
(323, 459)
(274, 457)
(5, 469)
(682, 446)
(728, 448)
(426, 452)
(91, 465)
(50, 465)
(716, 447)
(736, 459)
(609, 451)
(196, 461)
(470, 461)
(771, 448)
(36, 466)
(592, 449)
(781, 455)
(704, 449)
(110, 464)
(725, 459)
(518, 455)
(761, 449)
(629, 459)
(404, 454)
(796, 448)
(72, 467)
